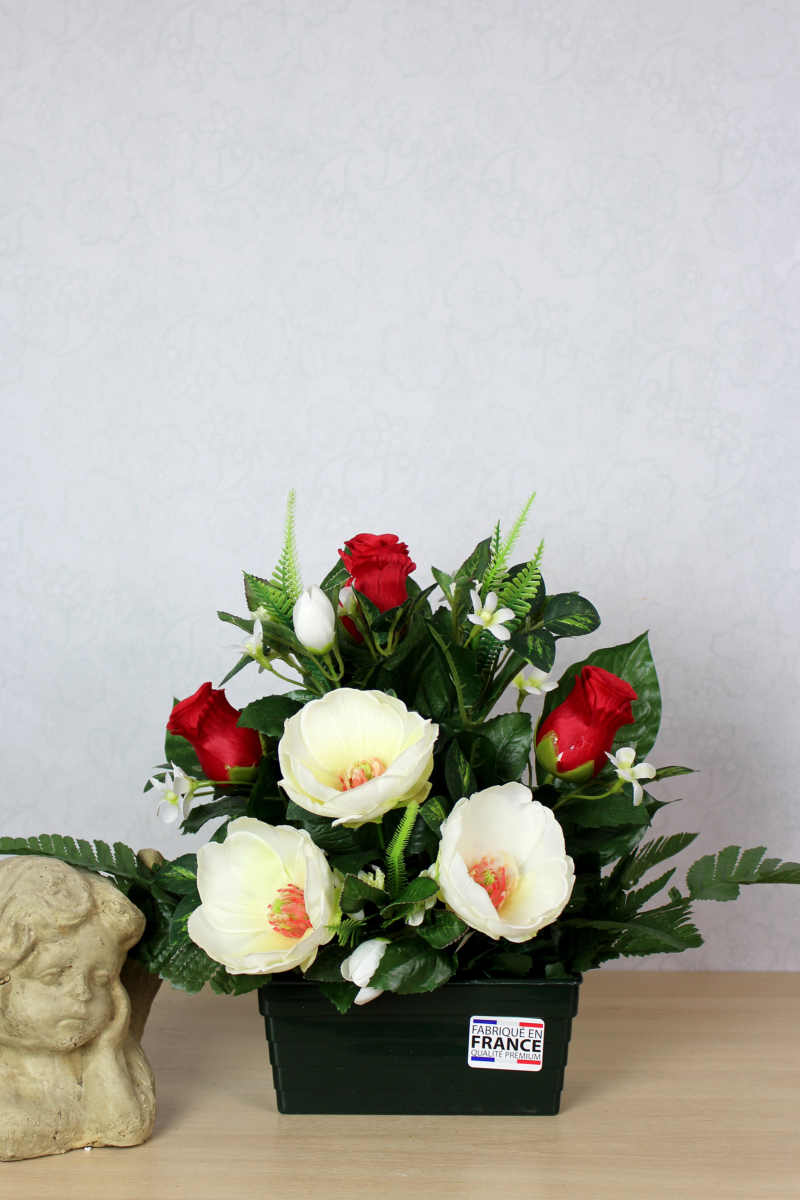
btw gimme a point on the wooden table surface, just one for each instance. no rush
(679, 1086)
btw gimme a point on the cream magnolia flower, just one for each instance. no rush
(314, 621)
(502, 866)
(355, 755)
(623, 760)
(268, 897)
(361, 965)
(490, 616)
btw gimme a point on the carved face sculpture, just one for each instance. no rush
(61, 996)
(71, 1074)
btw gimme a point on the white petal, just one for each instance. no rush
(638, 794)
(503, 614)
(625, 757)
(491, 602)
(476, 601)
(500, 632)
(366, 994)
(644, 771)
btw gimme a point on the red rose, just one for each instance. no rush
(572, 741)
(378, 566)
(225, 752)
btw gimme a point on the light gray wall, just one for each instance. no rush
(415, 259)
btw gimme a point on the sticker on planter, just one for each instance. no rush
(506, 1043)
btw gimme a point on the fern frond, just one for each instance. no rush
(267, 601)
(518, 592)
(719, 876)
(118, 861)
(501, 551)
(286, 576)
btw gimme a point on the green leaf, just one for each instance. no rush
(187, 967)
(508, 962)
(338, 840)
(177, 750)
(266, 801)
(224, 983)
(511, 735)
(523, 589)
(669, 772)
(556, 971)
(718, 876)
(355, 891)
(414, 893)
(434, 811)
(351, 864)
(653, 853)
(227, 806)
(537, 647)
(633, 901)
(268, 715)
(244, 661)
(606, 813)
(668, 928)
(120, 861)
(444, 581)
(336, 578)
(263, 594)
(501, 551)
(459, 775)
(340, 994)
(474, 567)
(244, 623)
(178, 931)
(570, 615)
(286, 576)
(326, 967)
(369, 611)
(444, 928)
(632, 662)
(412, 965)
(178, 876)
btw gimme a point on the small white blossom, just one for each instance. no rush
(490, 616)
(254, 645)
(177, 791)
(623, 761)
(536, 684)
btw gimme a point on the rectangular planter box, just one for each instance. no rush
(410, 1054)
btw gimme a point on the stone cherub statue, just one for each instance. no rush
(71, 1071)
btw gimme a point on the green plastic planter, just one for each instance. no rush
(411, 1054)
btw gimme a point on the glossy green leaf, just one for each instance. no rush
(511, 736)
(434, 811)
(570, 615)
(268, 715)
(224, 983)
(632, 662)
(178, 876)
(226, 806)
(442, 928)
(606, 813)
(474, 567)
(537, 647)
(356, 891)
(458, 773)
(178, 932)
(670, 772)
(341, 994)
(412, 965)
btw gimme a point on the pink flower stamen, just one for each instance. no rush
(495, 878)
(361, 772)
(288, 910)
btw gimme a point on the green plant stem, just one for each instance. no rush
(579, 795)
(462, 710)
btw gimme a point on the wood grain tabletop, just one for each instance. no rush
(679, 1085)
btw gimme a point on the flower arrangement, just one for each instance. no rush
(378, 826)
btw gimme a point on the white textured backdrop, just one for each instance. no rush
(415, 259)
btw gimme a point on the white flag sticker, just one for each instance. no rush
(506, 1043)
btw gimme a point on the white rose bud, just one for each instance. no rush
(362, 965)
(314, 620)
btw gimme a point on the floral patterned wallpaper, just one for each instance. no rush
(415, 259)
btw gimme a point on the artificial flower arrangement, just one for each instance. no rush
(377, 828)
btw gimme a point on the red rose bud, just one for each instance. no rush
(573, 741)
(226, 753)
(379, 565)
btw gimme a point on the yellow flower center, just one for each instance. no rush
(361, 772)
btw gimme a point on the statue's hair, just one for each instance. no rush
(42, 898)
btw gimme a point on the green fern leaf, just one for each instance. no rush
(521, 589)
(267, 600)
(119, 861)
(719, 876)
(653, 853)
(286, 576)
(501, 551)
